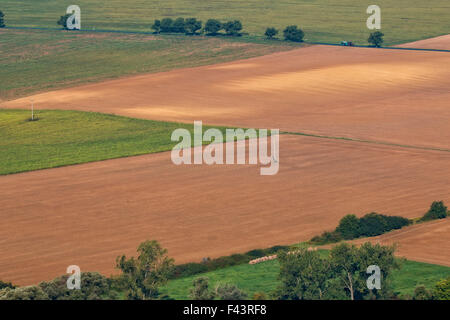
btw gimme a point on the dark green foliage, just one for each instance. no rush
(422, 293)
(192, 25)
(349, 227)
(93, 286)
(233, 28)
(178, 25)
(143, 276)
(327, 237)
(23, 293)
(441, 290)
(190, 269)
(230, 292)
(370, 225)
(157, 26)
(304, 275)
(166, 25)
(4, 285)
(63, 21)
(293, 33)
(349, 265)
(213, 26)
(437, 211)
(201, 290)
(271, 32)
(376, 38)
(2, 19)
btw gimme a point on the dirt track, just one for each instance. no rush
(389, 95)
(88, 214)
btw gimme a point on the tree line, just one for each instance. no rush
(304, 274)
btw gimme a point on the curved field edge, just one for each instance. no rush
(60, 138)
(263, 277)
(322, 20)
(35, 61)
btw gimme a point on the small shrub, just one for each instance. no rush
(178, 25)
(166, 25)
(437, 211)
(271, 33)
(441, 290)
(188, 269)
(230, 292)
(157, 26)
(213, 26)
(293, 33)
(233, 28)
(2, 19)
(201, 290)
(376, 38)
(421, 293)
(63, 21)
(192, 25)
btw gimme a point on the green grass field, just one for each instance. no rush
(263, 277)
(32, 61)
(322, 20)
(61, 138)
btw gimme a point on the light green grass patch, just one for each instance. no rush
(62, 138)
(263, 277)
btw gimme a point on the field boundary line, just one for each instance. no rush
(180, 34)
(365, 141)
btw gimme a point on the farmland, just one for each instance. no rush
(263, 277)
(322, 20)
(35, 60)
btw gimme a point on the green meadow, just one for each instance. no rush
(322, 20)
(263, 277)
(60, 138)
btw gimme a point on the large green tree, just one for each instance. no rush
(376, 38)
(350, 265)
(144, 275)
(304, 275)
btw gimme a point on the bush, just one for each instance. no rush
(213, 26)
(188, 269)
(327, 237)
(4, 285)
(166, 25)
(349, 227)
(2, 19)
(63, 21)
(421, 293)
(23, 293)
(293, 33)
(442, 290)
(232, 28)
(192, 25)
(437, 211)
(230, 292)
(178, 25)
(376, 38)
(271, 32)
(157, 26)
(201, 290)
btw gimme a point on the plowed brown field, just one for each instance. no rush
(88, 214)
(376, 94)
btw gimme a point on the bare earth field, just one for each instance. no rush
(375, 94)
(442, 43)
(426, 242)
(89, 214)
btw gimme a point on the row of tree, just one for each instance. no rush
(304, 274)
(192, 26)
